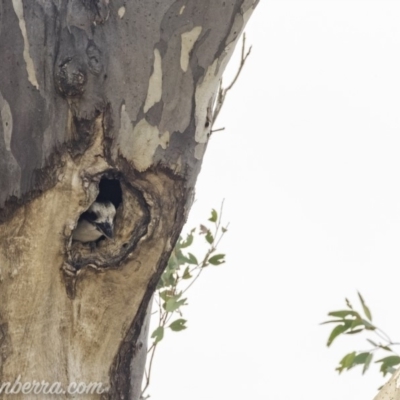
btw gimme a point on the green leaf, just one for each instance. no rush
(224, 230)
(346, 362)
(186, 274)
(214, 216)
(352, 359)
(360, 358)
(173, 304)
(332, 321)
(357, 322)
(182, 259)
(178, 325)
(367, 312)
(170, 294)
(353, 322)
(168, 278)
(390, 360)
(337, 330)
(344, 313)
(354, 331)
(372, 342)
(188, 241)
(166, 294)
(209, 237)
(218, 259)
(158, 334)
(172, 263)
(348, 303)
(192, 259)
(367, 363)
(388, 363)
(368, 325)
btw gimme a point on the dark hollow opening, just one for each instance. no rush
(110, 190)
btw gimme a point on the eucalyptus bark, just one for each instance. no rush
(98, 98)
(391, 390)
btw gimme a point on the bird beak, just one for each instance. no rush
(106, 228)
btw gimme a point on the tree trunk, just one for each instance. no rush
(98, 99)
(391, 390)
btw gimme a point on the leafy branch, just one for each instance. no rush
(350, 322)
(181, 273)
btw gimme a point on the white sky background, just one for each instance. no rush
(309, 166)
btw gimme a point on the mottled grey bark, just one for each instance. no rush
(109, 99)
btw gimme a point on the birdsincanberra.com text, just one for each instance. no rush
(54, 388)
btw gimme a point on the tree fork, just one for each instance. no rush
(110, 100)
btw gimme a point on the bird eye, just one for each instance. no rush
(90, 215)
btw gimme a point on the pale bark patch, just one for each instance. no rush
(391, 390)
(203, 99)
(30, 68)
(140, 143)
(155, 83)
(121, 12)
(199, 151)
(188, 39)
(7, 121)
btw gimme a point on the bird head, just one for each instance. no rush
(102, 214)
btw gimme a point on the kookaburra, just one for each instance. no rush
(96, 222)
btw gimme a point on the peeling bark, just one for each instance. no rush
(98, 99)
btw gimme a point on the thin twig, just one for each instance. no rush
(217, 130)
(382, 335)
(223, 92)
(153, 347)
(242, 61)
(148, 374)
(193, 281)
